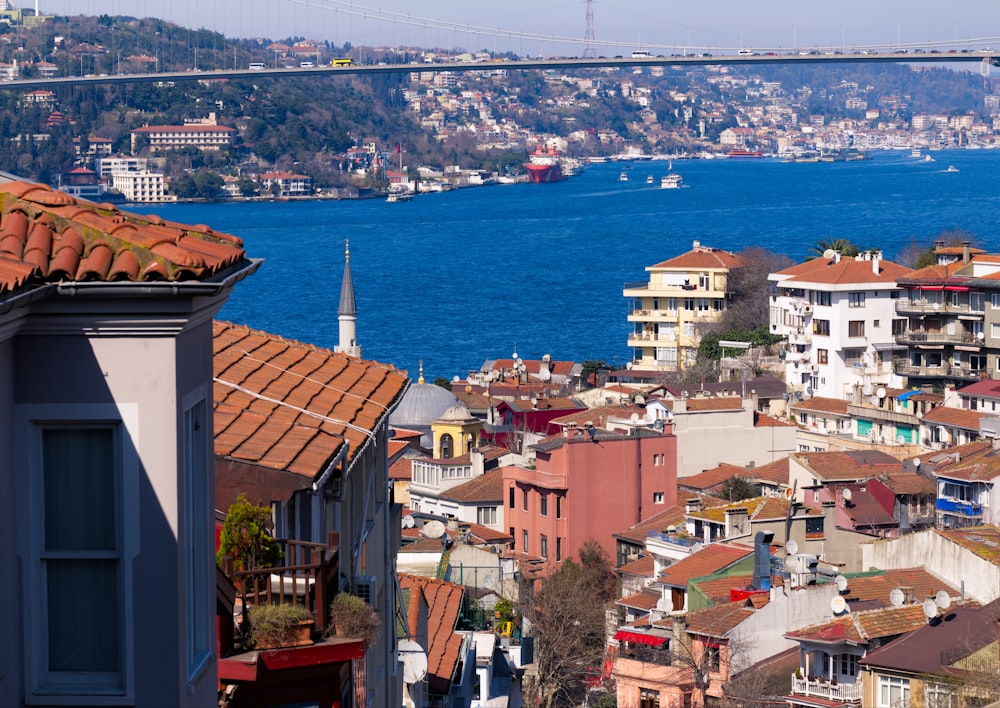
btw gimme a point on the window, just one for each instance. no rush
(558, 548)
(524, 498)
(689, 329)
(848, 665)
(703, 304)
(525, 538)
(543, 506)
(689, 304)
(823, 298)
(197, 509)
(893, 692)
(446, 446)
(814, 525)
(939, 695)
(898, 327)
(995, 300)
(657, 497)
(510, 497)
(80, 486)
(713, 657)
(853, 356)
(717, 304)
(486, 515)
(544, 546)
(856, 299)
(875, 324)
(821, 327)
(822, 356)
(995, 330)
(559, 500)
(704, 281)
(649, 698)
(856, 328)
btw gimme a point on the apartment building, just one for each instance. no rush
(140, 187)
(161, 138)
(839, 316)
(684, 299)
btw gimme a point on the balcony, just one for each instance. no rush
(909, 307)
(649, 339)
(961, 508)
(638, 315)
(941, 371)
(882, 415)
(826, 689)
(917, 337)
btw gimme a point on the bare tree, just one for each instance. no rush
(749, 308)
(569, 627)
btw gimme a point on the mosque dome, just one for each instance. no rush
(422, 404)
(457, 413)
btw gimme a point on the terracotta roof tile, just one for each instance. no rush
(819, 404)
(712, 478)
(909, 483)
(763, 420)
(759, 509)
(640, 601)
(774, 472)
(47, 236)
(484, 534)
(717, 589)
(973, 463)
(701, 257)
(848, 464)
(862, 627)
(847, 272)
(987, 388)
(671, 516)
(983, 541)
(642, 567)
(695, 405)
(487, 487)
(444, 646)
(720, 620)
(708, 560)
(598, 416)
(955, 417)
(290, 406)
(877, 585)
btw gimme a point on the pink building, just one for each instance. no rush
(587, 484)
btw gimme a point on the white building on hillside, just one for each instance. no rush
(838, 314)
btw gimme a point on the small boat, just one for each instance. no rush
(394, 197)
(928, 158)
(915, 152)
(649, 179)
(623, 177)
(671, 180)
(951, 168)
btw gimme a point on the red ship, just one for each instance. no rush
(544, 166)
(744, 152)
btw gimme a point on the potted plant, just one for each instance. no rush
(352, 616)
(247, 542)
(280, 625)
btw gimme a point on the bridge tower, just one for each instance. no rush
(589, 52)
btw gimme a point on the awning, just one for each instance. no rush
(907, 394)
(887, 346)
(930, 346)
(963, 348)
(932, 287)
(650, 640)
(957, 288)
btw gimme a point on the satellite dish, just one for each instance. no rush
(880, 392)
(544, 374)
(455, 378)
(916, 462)
(628, 365)
(658, 424)
(634, 418)
(433, 529)
(847, 494)
(791, 547)
(829, 253)
(980, 335)
(942, 600)
(930, 608)
(534, 402)
(896, 597)
(838, 605)
(408, 521)
(671, 529)
(866, 389)
(788, 495)
(414, 660)
(841, 582)
(640, 400)
(489, 581)
(793, 564)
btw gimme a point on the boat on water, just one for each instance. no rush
(545, 166)
(623, 177)
(951, 168)
(649, 179)
(915, 152)
(671, 180)
(394, 197)
(928, 158)
(744, 152)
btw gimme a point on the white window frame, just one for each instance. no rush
(75, 688)
(885, 686)
(486, 515)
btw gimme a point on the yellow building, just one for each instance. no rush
(684, 299)
(456, 433)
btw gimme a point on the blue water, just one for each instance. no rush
(464, 276)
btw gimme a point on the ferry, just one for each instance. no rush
(744, 152)
(544, 166)
(394, 197)
(671, 180)
(649, 179)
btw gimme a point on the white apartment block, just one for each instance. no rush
(140, 187)
(839, 316)
(173, 137)
(109, 165)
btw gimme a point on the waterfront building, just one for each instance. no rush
(950, 319)
(286, 184)
(684, 299)
(838, 314)
(141, 187)
(107, 166)
(161, 138)
(106, 477)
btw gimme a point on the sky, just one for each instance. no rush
(534, 27)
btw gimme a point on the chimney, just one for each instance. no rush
(692, 505)
(965, 251)
(696, 246)
(478, 461)
(876, 261)
(836, 256)
(737, 522)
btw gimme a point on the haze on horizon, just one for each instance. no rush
(528, 28)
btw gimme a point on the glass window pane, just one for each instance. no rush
(78, 470)
(83, 604)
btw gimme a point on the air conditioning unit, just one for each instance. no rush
(807, 310)
(367, 589)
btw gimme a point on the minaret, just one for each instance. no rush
(348, 311)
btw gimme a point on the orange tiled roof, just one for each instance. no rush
(47, 236)
(847, 272)
(713, 477)
(710, 559)
(862, 627)
(701, 258)
(774, 472)
(955, 417)
(763, 420)
(724, 403)
(487, 487)
(641, 600)
(717, 589)
(820, 404)
(758, 509)
(598, 415)
(642, 566)
(878, 585)
(848, 464)
(909, 483)
(671, 516)
(444, 603)
(484, 534)
(720, 620)
(290, 406)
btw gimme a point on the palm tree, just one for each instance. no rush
(841, 245)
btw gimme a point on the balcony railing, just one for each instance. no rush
(650, 337)
(307, 576)
(881, 414)
(905, 368)
(924, 337)
(960, 507)
(826, 689)
(908, 307)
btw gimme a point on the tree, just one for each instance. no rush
(840, 245)
(736, 488)
(749, 304)
(569, 626)
(245, 537)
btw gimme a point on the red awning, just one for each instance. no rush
(932, 287)
(650, 640)
(957, 288)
